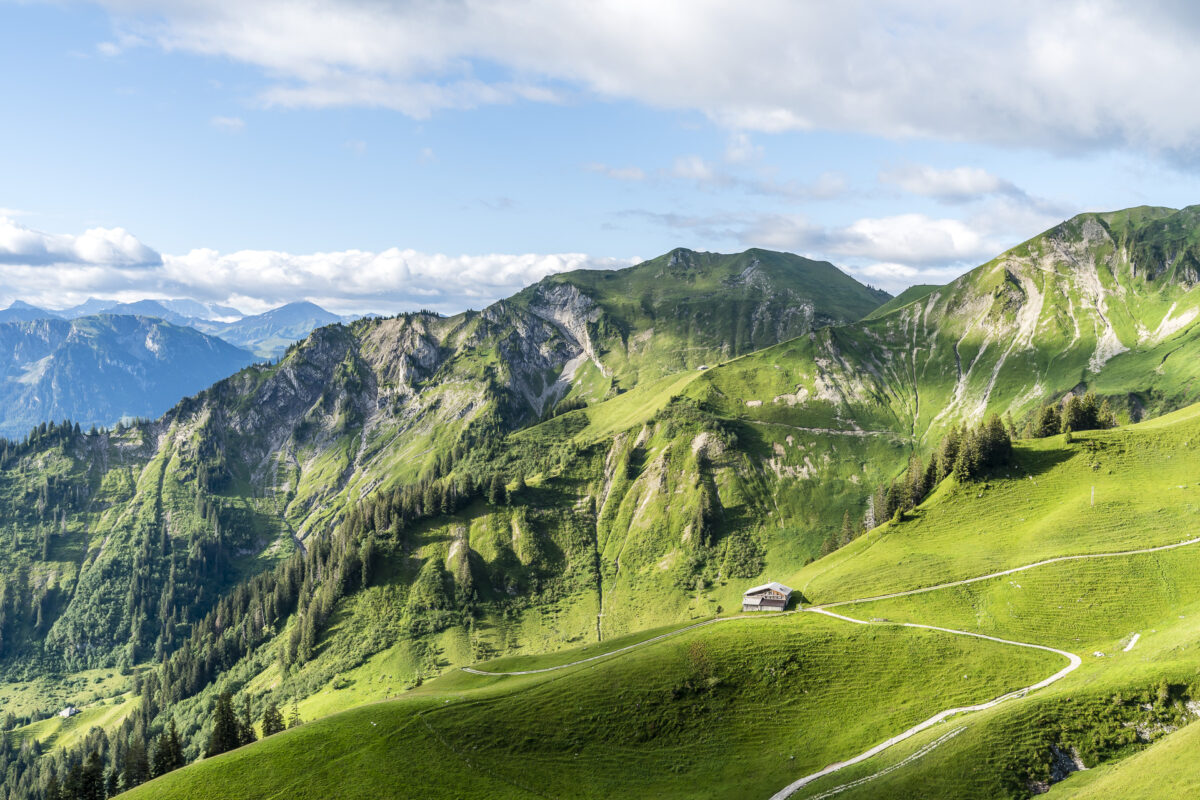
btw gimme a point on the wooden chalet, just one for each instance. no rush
(771, 596)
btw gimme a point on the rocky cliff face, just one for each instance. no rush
(276, 455)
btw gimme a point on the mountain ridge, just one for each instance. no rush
(558, 468)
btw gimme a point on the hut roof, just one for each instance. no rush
(772, 586)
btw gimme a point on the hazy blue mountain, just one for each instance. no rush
(269, 334)
(181, 311)
(21, 311)
(93, 305)
(198, 310)
(96, 370)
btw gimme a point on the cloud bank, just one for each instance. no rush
(58, 270)
(1082, 73)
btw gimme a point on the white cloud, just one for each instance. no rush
(913, 239)
(895, 278)
(57, 270)
(1054, 75)
(741, 149)
(109, 246)
(955, 185)
(231, 124)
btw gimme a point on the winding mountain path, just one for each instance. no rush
(1073, 661)
(1012, 571)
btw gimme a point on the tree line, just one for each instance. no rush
(967, 453)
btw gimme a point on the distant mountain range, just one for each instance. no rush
(270, 333)
(102, 360)
(608, 453)
(97, 370)
(266, 335)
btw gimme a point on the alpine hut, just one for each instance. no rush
(771, 596)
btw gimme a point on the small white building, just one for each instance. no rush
(771, 596)
(68, 712)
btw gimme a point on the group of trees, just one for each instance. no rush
(966, 453)
(1078, 413)
(970, 453)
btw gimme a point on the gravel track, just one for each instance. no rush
(1073, 661)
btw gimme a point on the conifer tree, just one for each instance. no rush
(91, 783)
(225, 733)
(137, 765)
(1049, 422)
(294, 720)
(272, 720)
(168, 752)
(847, 530)
(246, 723)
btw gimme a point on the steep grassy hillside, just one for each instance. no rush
(733, 710)
(1165, 769)
(910, 295)
(404, 496)
(742, 708)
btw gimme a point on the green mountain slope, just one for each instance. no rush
(742, 708)
(733, 710)
(423, 492)
(246, 472)
(910, 295)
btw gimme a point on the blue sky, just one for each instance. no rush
(378, 156)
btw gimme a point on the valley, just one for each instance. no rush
(567, 492)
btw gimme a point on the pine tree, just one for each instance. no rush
(272, 720)
(53, 791)
(168, 752)
(91, 784)
(1049, 422)
(225, 734)
(246, 724)
(847, 530)
(137, 765)
(294, 720)
(497, 491)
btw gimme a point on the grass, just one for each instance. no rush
(1143, 479)
(732, 710)
(59, 732)
(1168, 768)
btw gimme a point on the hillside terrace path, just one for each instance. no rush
(1073, 660)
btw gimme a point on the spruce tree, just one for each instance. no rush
(168, 752)
(1048, 422)
(272, 720)
(294, 720)
(52, 791)
(847, 530)
(246, 724)
(225, 734)
(137, 765)
(91, 783)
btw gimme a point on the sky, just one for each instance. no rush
(376, 156)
